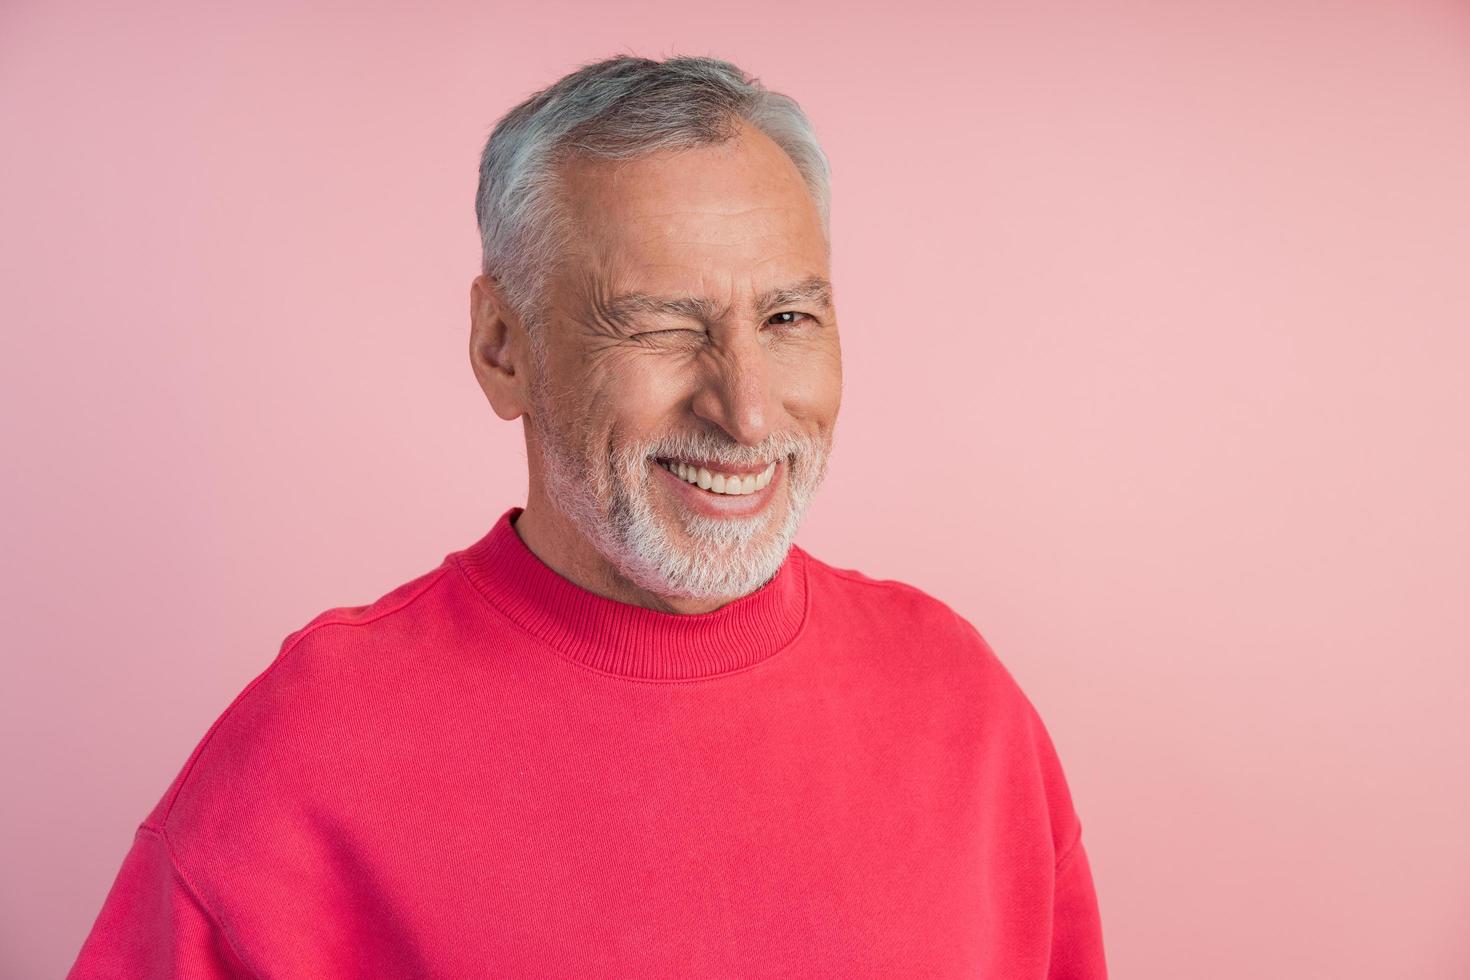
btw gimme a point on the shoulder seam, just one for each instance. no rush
(1070, 850)
(899, 584)
(193, 893)
(847, 574)
(290, 643)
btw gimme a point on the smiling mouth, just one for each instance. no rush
(720, 481)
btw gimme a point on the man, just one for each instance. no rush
(633, 731)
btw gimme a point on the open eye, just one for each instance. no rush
(791, 313)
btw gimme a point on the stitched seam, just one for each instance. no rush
(894, 584)
(214, 920)
(290, 645)
(1071, 850)
(883, 583)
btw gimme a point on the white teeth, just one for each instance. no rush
(727, 483)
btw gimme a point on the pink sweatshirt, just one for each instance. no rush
(492, 772)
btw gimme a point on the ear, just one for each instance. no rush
(499, 349)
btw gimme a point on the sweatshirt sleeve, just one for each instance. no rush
(152, 926)
(1076, 947)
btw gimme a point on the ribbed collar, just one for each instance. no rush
(628, 640)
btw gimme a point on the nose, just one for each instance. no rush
(738, 391)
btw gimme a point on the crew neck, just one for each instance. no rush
(628, 640)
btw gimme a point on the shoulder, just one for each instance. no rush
(963, 670)
(922, 637)
(888, 591)
(890, 601)
(898, 614)
(296, 721)
(395, 613)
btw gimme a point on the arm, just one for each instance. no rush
(153, 925)
(1076, 947)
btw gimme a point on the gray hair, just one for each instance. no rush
(617, 108)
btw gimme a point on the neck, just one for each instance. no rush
(558, 542)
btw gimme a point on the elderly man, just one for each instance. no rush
(633, 730)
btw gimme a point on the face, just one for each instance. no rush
(691, 367)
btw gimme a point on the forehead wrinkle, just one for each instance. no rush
(628, 306)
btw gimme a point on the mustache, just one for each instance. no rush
(781, 446)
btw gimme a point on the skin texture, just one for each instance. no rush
(725, 223)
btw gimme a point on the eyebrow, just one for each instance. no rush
(627, 306)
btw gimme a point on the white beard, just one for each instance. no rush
(717, 557)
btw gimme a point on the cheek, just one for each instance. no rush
(643, 400)
(812, 387)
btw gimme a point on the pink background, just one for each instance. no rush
(1155, 319)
